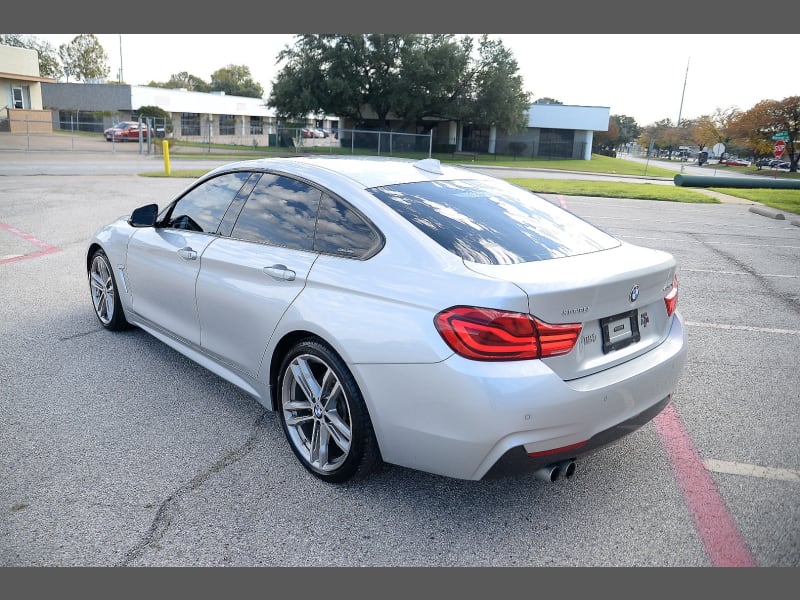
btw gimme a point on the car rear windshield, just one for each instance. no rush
(493, 222)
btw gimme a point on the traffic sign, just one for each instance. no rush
(781, 135)
(779, 148)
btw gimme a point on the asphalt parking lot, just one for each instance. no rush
(117, 451)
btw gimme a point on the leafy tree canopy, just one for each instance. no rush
(236, 80)
(84, 58)
(409, 77)
(183, 80)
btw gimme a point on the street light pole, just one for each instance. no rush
(680, 110)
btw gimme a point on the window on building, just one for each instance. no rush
(227, 124)
(190, 123)
(256, 125)
(18, 97)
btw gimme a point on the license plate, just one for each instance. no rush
(620, 330)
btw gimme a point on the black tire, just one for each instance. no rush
(323, 414)
(104, 294)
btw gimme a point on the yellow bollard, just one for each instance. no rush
(165, 146)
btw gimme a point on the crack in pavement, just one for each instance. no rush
(168, 509)
(791, 301)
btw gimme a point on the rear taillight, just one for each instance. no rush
(488, 334)
(671, 299)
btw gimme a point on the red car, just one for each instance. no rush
(125, 131)
(736, 162)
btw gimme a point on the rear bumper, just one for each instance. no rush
(517, 461)
(458, 418)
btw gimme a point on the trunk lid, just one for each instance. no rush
(617, 295)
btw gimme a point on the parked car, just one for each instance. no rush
(403, 312)
(736, 162)
(126, 131)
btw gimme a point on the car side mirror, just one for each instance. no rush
(144, 216)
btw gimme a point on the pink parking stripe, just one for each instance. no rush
(45, 248)
(712, 520)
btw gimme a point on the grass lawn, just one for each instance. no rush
(614, 189)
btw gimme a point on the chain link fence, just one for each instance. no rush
(74, 130)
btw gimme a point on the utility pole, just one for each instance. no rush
(680, 110)
(120, 59)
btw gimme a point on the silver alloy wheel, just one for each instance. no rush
(101, 283)
(316, 410)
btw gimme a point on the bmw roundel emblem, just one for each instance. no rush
(634, 293)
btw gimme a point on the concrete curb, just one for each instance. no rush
(768, 212)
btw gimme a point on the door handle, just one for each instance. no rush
(187, 253)
(280, 272)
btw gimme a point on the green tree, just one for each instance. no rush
(408, 76)
(49, 63)
(547, 100)
(432, 85)
(183, 80)
(769, 117)
(84, 58)
(499, 98)
(236, 80)
(621, 130)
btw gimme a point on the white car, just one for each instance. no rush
(403, 312)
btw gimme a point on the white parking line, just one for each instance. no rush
(734, 468)
(742, 328)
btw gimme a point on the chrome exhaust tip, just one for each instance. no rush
(567, 468)
(549, 473)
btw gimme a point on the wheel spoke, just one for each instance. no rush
(297, 420)
(305, 379)
(319, 446)
(338, 430)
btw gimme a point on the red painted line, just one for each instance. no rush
(45, 248)
(712, 520)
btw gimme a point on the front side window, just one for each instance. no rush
(256, 126)
(280, 211)
(493, 222)
(201, 209)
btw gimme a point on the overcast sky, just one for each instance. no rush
(641, 76)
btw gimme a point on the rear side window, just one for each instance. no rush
(279, 211)
(493, 222)
(343, 232)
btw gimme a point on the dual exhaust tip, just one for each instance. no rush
(557, 470)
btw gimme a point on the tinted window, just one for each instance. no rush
(202, 208)
(342, 231)
(280, 211)
(493, 222)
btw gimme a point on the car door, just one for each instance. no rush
(163, 261)
(249, 279)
